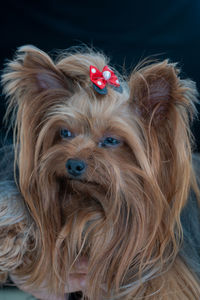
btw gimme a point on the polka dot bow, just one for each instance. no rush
(101, 79)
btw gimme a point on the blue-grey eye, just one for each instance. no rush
(109, 142)
(65, 133)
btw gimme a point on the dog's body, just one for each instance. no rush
(103, 174)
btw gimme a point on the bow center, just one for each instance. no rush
(106, 75)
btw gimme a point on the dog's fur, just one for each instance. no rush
(123, 213)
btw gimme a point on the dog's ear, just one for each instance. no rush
(163, 105)
(156, 90)
(32, 71)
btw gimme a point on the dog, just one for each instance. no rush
(102, 170)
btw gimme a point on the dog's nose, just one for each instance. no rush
(75, 167)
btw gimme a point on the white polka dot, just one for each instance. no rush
(117, 81)
(93, 70)
(106, 75)
(99, 83)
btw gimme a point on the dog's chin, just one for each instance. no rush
(91, 191)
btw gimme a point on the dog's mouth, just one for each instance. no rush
(86, 187)
(82, 181)
(81, 186)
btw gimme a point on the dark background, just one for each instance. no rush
(127, 31)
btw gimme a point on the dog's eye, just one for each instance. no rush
(65, 133)
(109, 142)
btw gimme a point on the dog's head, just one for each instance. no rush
(104, 176)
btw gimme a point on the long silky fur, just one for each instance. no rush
(125, 216)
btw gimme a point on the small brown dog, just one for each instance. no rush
(104, 170)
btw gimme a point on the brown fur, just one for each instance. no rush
(124, 213)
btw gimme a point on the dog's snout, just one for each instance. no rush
(75, 167)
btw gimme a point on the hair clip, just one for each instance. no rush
(101, 79)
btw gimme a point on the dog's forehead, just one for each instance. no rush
(107, 105)
(86, 113)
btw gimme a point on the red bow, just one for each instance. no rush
(100, 79)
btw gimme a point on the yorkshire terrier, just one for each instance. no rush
(103, 171)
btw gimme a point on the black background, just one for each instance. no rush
(127, 31)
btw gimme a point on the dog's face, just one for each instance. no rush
(101, 173)
(88, 137)
(84, 143)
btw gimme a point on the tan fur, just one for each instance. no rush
(124, 215)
